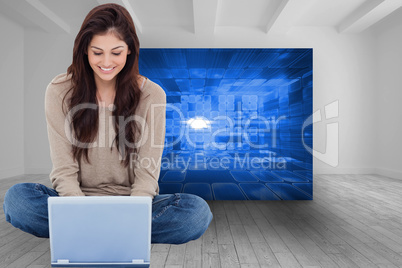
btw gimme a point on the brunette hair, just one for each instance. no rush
(85, 122)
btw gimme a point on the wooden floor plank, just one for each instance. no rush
(231, 212)
(158, 259)
(254, 234)
(14, 244)
(389, 254)
(342, 260)
(223, 233)
(193, 257)
(43, 246)
(356, 256)
(228, 256)
(18, 252)
(254, 265)
(320, 240)
(176, 255)
(211, 260)
(43, 259)
(265, 256)
(239, 234)
(254, 211)
(218, 207)
(246, 254)
(298, 251)
(160, 247)
(271, 236)
(25, 259)
(11, 237)
(287, 260)
(210, 239)
(371, 254)
(244, 213)
(312, 248)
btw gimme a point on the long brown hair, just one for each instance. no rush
(85, 122)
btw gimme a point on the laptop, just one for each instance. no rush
(100, 231)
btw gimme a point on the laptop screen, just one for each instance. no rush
(100, 230)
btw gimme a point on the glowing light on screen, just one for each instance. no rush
(198, 123)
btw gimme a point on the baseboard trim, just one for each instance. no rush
(391, 173)
(344, 171)
(395, 174)
(33, 170)
(11, 172)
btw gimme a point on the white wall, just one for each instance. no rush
(343, 71)
(12, 98)
(387, 107)
(47, 55)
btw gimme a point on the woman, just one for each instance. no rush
(106, 128)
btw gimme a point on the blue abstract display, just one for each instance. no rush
(234, 122)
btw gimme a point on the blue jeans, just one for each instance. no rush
(176, 218)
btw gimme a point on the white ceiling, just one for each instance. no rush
(206, 16)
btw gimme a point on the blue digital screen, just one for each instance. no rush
(234, 122)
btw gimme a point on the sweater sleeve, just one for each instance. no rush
(64, 174)
(149, 155)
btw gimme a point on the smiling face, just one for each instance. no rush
(107, 55)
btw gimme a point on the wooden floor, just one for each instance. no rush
(354, 221)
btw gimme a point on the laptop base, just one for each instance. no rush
(98, 265)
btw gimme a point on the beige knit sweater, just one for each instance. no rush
(105, 175)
